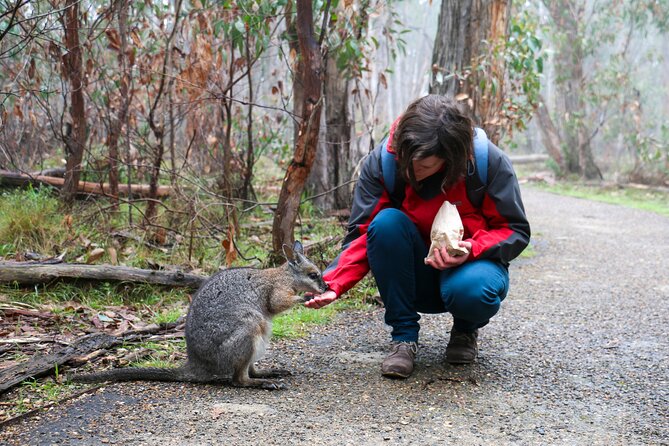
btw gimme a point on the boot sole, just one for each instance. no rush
(396, 375)
(460, 360)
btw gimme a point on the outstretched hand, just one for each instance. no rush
(442, 260)
(321, 300)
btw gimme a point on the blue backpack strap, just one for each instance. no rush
(481, 154)
(388, 165)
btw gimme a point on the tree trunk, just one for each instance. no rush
(75, 136)
(569, 59)
(550, 136)
(333, 166)
(310, 75)
(158, 128)
(250, 151)
(464, 65)
(119, 120)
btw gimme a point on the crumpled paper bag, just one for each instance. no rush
(447, 231)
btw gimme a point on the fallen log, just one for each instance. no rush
(41, 365)
(29, 273)
(529, 159)
(52, 172)
(85, 187)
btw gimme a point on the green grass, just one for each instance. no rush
(295, 322)
(648, 200)
(528, 252)
(96, 295)
(30, 221)
(167, 316)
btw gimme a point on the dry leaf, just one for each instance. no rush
(67, 221)
(382, 79)
(135, 39)
(95, 255)
(114, 39)
(113, 256)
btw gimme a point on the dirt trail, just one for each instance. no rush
(577, 355)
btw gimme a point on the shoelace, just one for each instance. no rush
(413, 347)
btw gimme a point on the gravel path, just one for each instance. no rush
(577, 356)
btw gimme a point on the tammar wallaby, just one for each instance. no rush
(229, 324)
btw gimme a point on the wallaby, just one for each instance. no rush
(229, 324)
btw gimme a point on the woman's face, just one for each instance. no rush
(425, 167)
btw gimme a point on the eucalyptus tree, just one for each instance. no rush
(490, 59)
(603, 76)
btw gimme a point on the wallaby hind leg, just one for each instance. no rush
(268, 373)
(241, 379)
(248, 349)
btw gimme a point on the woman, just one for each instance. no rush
(389, 231)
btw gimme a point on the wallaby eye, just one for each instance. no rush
(313, 276)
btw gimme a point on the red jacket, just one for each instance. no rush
(498, 230)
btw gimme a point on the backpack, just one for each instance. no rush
(476, 179)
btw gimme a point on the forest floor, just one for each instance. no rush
(579, 354)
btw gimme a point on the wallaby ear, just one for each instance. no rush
(297, 247)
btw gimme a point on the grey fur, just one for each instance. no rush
(229, 324)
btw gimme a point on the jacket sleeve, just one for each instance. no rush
(508, 230)
(369, 197)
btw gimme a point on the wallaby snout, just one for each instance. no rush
(319, 288)
(306, 276)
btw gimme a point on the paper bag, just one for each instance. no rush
(447, 231)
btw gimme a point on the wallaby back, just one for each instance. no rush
(229, 323)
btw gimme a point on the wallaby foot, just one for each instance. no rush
(266, 384)
(245, 378)
(268, 373)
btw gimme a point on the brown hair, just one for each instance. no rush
(434, 125)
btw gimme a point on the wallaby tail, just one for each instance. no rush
(179, 374)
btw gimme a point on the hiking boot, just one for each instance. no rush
(399, 363)
(462, 347)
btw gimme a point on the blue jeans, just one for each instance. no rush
(471, 292)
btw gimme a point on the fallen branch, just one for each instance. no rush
(85, 187)
(32, 273)
(41, 365)
(32, 340)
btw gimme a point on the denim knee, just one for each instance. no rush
(387, 225)
(474, 291)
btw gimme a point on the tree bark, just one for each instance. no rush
(311, 75)
(333, 165)
(32, 273)
(120, 118)
(550, 136)
(75, 136)
(459, 52)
